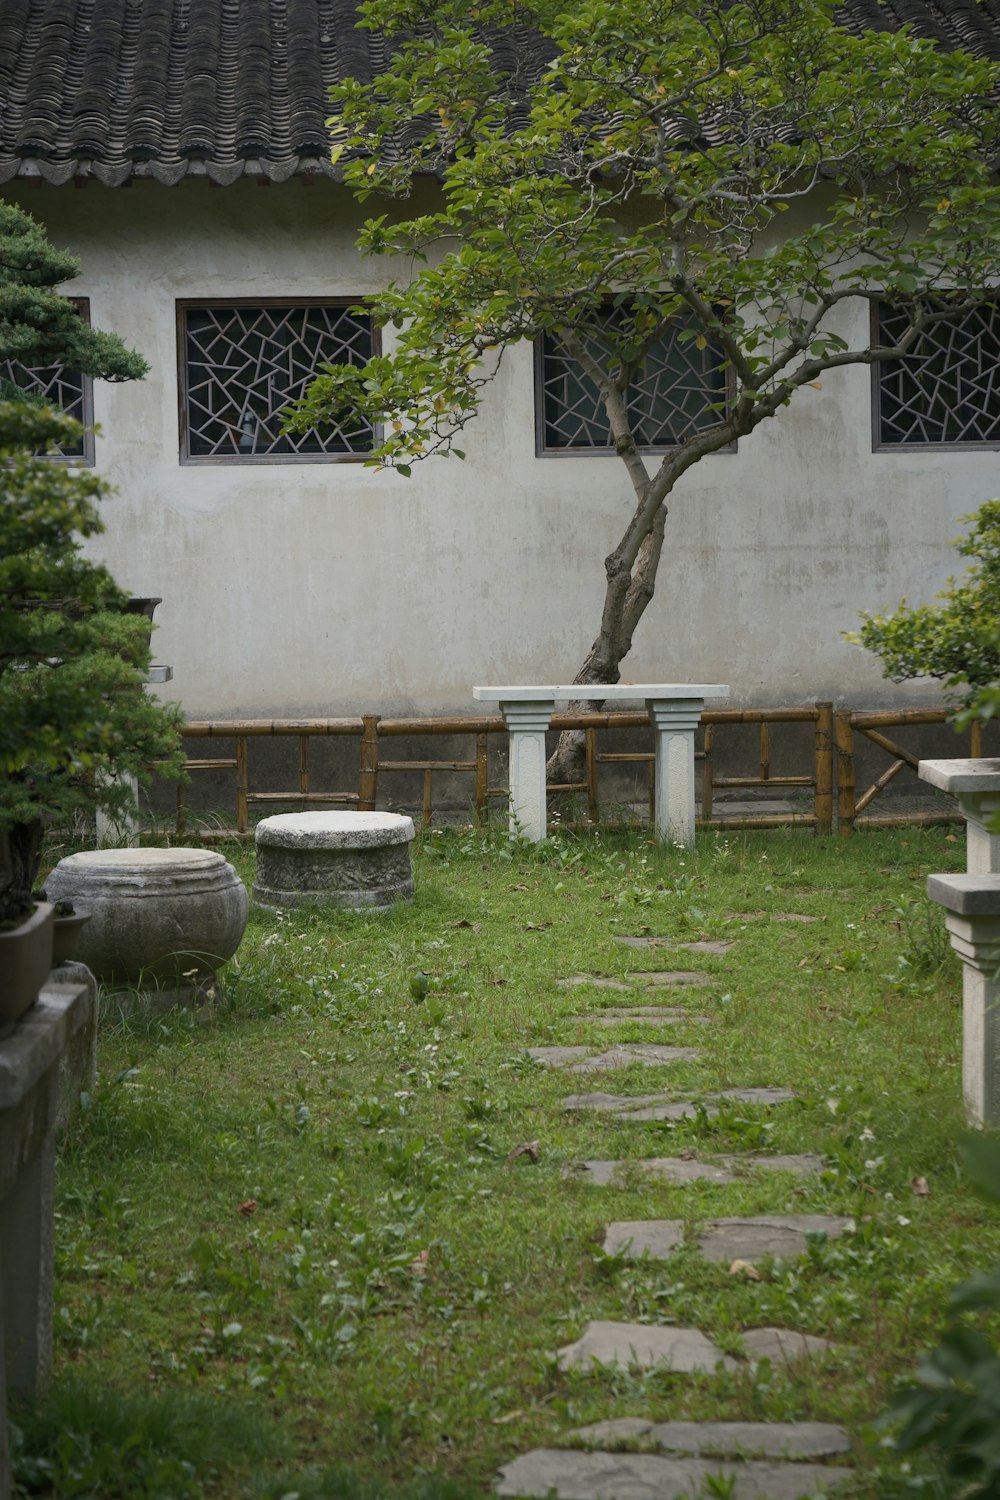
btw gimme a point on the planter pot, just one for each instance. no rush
(66, 936)
(25, 961)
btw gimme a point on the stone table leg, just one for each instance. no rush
(977, 943)
(527, 723)
(26, 1253)
(675, 724)
(982, 847)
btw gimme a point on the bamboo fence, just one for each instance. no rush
(372, 732)
(872, 725)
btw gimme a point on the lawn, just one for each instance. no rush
(299, 1252)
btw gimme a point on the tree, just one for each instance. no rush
(73, 707)
(727, 172)
(958, 639)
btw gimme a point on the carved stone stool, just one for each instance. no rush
(161, 920)
(351, 859)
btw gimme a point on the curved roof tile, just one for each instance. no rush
(222, 88)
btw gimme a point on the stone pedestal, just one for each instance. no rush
(358, 860)
(972, 908)
(675, 722)
(527, 723)
(162, 921)
(31, 1059)
(976, 786)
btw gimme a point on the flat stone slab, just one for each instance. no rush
(655, 1014)
(704, 945)
(723, 1239)
(960, 777)
(667, 1107)
(966, 895)
(567, 1474)
(727, 1439)
(585, 1060)
(683, 1169)
(775, 1234)
(783, 1345)
(334, 830)
(595, 981)
(682, 1350)
(635, 1238)
(775, 916)
(671, 978)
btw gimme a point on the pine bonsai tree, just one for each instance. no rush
(73, 708)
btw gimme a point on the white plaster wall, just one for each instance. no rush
(294, 589)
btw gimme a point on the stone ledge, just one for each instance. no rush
(966, 895)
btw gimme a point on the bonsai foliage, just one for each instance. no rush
(73, 708)
(957, 640)
(612, 171)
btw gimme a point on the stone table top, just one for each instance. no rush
(334, 830)
(141, 860)
(966, 895)
(613, 692)
(961, 776)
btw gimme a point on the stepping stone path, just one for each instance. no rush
(724, 1239)
(682, 1460)
(775, 916)
(584, 1060)
(681, 1169)
(704, 945)
(627, 1015)
(668, 1107)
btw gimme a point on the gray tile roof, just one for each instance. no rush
(116, 89)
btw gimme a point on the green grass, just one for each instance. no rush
(383, 1320)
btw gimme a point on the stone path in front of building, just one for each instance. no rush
(634, 1458)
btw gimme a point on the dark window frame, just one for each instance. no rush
(544, 451)
(878, 369)
(87, 457)
(186, 304)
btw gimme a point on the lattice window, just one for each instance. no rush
(678, 390)
(948, 389)
(64, 388)
(243, 363)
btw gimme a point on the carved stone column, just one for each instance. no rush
(972, 912)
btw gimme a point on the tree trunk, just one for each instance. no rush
(20, 857)
(625, 602)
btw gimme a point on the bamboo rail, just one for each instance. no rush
(870, 723)
(370, 730)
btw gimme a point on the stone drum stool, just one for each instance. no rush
(162, 920)
(352, 859)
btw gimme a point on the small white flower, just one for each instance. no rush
(902, 1221)
(873, 1164)
(867, 1134)
(888, 1197)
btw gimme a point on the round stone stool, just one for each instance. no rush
(352, 859)
(161, 920)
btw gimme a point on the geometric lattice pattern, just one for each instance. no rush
(243, 365)
(670, 397)
(67, 389)
(948, 389)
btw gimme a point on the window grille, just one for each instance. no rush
(67, 389)
(676, 391)
(948, 389)
(242, 363)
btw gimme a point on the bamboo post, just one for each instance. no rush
(303, 763)
(428, 796)
(976, 740)
(707, 774)
(765, 750)
(180, 827)
(242, 783)
(823, 806)
(482, 779)
(593, 805)
(844, 738)
(368, 772)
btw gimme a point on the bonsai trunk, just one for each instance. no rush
(20, 857)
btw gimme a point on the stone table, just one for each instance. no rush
(972, 912)
(31, 1086)
(674, 710)
(976, 785)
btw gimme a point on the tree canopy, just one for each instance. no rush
(730, 170)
